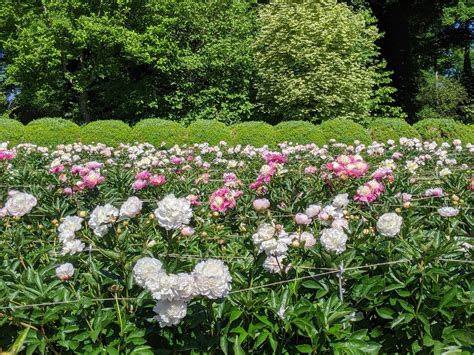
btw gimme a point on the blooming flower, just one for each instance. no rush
(261, 204)
(169, 313)
(173, 213)
(65, 271)
(131, 207)
(389, 224)
(145, 268)
(101, 218)
(212, 278)
(448, 211)
(333, 240)
(20, 203)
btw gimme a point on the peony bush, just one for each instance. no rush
(141, 249)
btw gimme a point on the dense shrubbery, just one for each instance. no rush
(383, 129)
(157, 131)
(299, 132)
(208, 131)
(108, 132)
(344, 131)
(52, 131)
(11, 130)
(442, 130)
(254, 133)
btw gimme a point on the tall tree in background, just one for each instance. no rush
(316, 61)
(93, 59)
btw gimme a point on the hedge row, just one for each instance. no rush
(53, 131)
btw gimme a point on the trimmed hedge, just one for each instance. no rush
(157, 131)
(301, 132)
(110, 132)
(344, 131)
(383, 129)
(254, 133)
(54, 131)
(210, 131)
(439, 130)
(11, 131)
(51, 131)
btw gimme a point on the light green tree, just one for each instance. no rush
(317, 60)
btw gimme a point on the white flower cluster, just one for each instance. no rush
(274, 243)
(102, 218)
(18, 204)
(67, 235)
(173, 213)
(210, 278)
(389, 224)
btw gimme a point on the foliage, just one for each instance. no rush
(441, 95)
(141, 58)
(383, 129)
(157, 131)
(416, 296)
(299, 132)
(344, 131)
(208, 131)
(443, 129)
(11, 130)
(323, 68)
(109, 132)
(254, 133)
(51, 131)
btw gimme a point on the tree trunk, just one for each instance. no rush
(84, 108)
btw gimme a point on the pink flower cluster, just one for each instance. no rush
(348, 165)
(89, 173)
(7, 154)
(145, 178)
(271, 157)
(369, 192)
(223, 199)
(383, 174)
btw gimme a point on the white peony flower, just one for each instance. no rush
(101, 219)
(275, 264)
(131, 207)
(70, 225)
(312, 211)
(185, 287)
(173, 213)
(448, 211)
(308, 239)
(20, 203)
(264, 232)
(444, 172)
(65, 271)
(389, 224)
(72, 247)
(145, 268)
(341, 200)
(340, 223)
(170, 312)
(333, 240)
(162, 286)
(212, 278)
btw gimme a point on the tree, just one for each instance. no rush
(316, 61)
(179, 59)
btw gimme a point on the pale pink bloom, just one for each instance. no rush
(193, 200)
(187, 231)
(310, 170)
(301, 218)
(436, 192)
(157, 180)
(261, 204)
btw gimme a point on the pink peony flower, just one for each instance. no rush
(157, 180)
(224, 199)
(143, 175)
(57, 169)
(187, 231)
(93, 179)
(301, 218)
(436, 192)
(193, 200)
(310, 170)
(261, 204)
(139, 184)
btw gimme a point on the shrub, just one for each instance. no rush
(110, 132)
(210, 131)
(299, 132)
(440, 129)
(51, 131)
(344, 131)
(157, 131)
(11, 131)
(383, 129)
(465, 132)
(254, 133)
